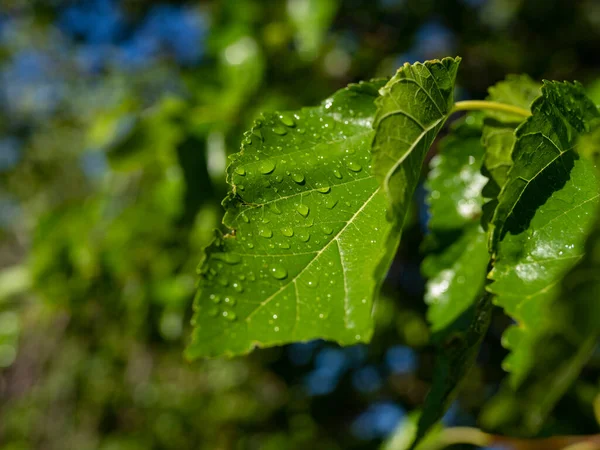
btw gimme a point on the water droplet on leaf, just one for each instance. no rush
(279, 130)
(267, 167)
(277, 271)
(298, 177)
(287, 231)
(353, 166)
(265, 232)
(303, 210)
(287, 120)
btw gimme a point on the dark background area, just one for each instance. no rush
(115, 121)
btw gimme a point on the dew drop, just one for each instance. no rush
(245, 218)
(303, 210)
(337, 174)
(238, 287)
(277, 271)
(324, 189)
(298, 177)
(287, 120)
(212, 312)
(353, 166)
(267, 167)
(265, 232)
(327, 229)
(230, 300)
(304, 236)
(330, 203)
(287, 231)
(215, 299)
(279, 130)
(250, 245)
(240, 171)
(256, 132)
(229, 315)
(312, 282)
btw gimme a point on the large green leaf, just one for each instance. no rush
(308, 231)
(544, 213)
(563, 346)
(456, 268)
(412, 109)
(499, 134)
(542, 155)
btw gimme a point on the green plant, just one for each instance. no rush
(319, 198)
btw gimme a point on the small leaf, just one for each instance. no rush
(309, 232)
(499, 134)
(412, 109)
(549, 189)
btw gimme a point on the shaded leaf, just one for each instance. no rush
(309, 231)
(499, 134)
(458, 311)
(458, 348)
(457, 266)
(565, 343)
(541, 155)
(547, 205)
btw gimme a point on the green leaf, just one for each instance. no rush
(498, 134)
(541, 155)
(412, 109)
(456, 269)
(549, 190)
(567, 339)
(456, 354)
(309, 227)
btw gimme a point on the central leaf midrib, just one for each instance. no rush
(309, 263)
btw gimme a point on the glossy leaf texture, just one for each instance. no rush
(571, 330)
(457, 259)
(545, 211)
(308, 232)
(498, 134)
(412, 109)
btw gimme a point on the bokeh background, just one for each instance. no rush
(116, 117)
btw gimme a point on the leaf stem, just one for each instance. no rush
(477, 105)
(460, 435)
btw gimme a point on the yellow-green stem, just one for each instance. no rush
(478, 105)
